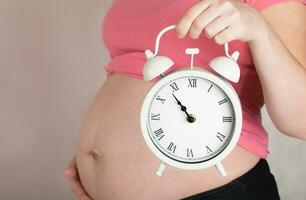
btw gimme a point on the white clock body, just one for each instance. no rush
(191, 145)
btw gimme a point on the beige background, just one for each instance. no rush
(51, 65)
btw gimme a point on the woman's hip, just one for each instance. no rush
(256, 184)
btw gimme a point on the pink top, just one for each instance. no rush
(131, 26)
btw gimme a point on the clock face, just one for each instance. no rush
(190, 119)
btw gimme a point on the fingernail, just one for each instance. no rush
(67, 173)
(179, 36)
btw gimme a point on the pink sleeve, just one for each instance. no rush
(262, 4)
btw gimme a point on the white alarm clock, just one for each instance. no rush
(191, 118)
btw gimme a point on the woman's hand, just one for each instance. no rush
(281, 69)
(224, 21)
(71, 173)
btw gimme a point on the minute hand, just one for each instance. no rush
(190, 118)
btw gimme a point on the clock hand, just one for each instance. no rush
(190, 118)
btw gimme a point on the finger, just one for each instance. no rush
(85, 197)
(218, 25)
(77, 188)
(70, 173)
(212, 13)
(71, 170)
(202, 20)
(186, 20)
(80, 192)
(75, 178)
(227, 35)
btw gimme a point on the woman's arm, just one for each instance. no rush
(280, 66)
(280, 60)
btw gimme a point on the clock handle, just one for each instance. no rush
(171, 27)
(221, 169)
(161, 169)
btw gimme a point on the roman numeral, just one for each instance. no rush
(159, 133)
(155, 116)
(189, 153)
(227, 119)
(172, 147)
(160, 99)
(222, 101)
(208, 150)
(209, 87)
(174, 86)
(220, 136)
(192, 82)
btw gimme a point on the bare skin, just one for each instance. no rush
(100, 134)
(114, 161)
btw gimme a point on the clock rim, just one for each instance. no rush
(227, 89)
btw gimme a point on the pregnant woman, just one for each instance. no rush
(112, 160)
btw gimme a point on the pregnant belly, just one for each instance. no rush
(115, 163)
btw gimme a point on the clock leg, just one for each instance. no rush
(221, 169)
(161, 169)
